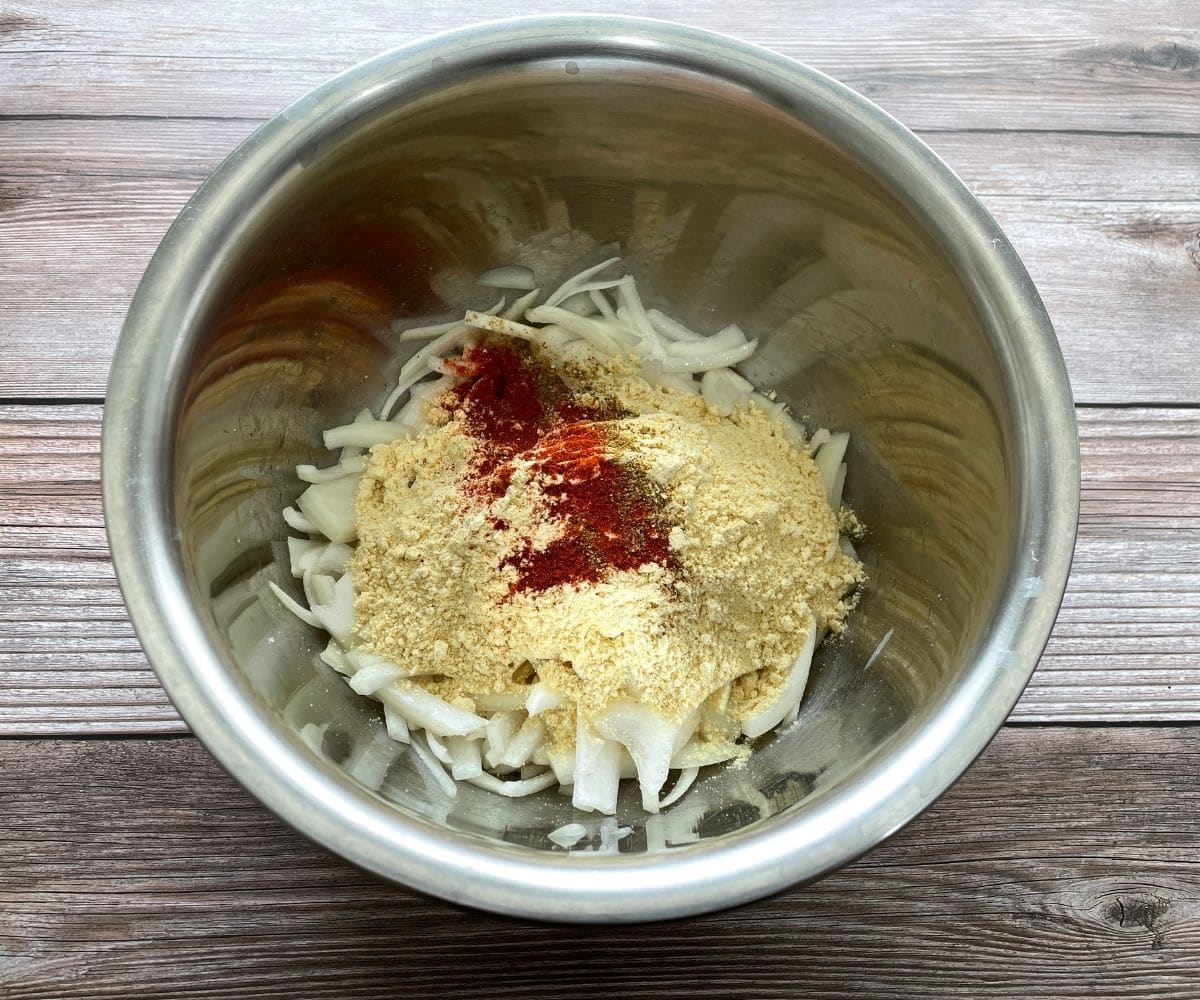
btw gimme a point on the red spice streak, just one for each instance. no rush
(516, 407)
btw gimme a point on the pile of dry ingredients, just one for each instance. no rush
(615, 539)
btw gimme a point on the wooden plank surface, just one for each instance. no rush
(78, 226)
(1064, 863)
(83, 203)
(1120, 67)
(1124, 648)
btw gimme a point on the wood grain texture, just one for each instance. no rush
(1125, 646)
(1129, 629)
(1127, 67)
(1064, 863)
(1109, 227)
(69, 661)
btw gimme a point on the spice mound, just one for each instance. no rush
(583, 549)
(617, 542)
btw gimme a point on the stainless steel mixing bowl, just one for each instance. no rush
(739, 186)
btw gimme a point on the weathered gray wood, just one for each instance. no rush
(1125, 647)
(69, 661)
(1066, 863)
(1130, 67)
(1106, 224)
(1129, 630)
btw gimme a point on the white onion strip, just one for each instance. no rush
(362, 434)
(311, 474)
(672, 329)
(298, 522)
(432, 765)
(702, 361)
(514, 789)
(429, 332)
(293, 605)
(828, 459)
(574, 284)
(728, 339)
(793, 689)
(417, 367)
(682, 784)
(441, 329)
(513, 276)
(428, 711)
(498, 324)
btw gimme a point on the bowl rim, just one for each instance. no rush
(792, 847)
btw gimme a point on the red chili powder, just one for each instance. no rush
(515, 405)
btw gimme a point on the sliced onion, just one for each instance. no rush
(438, 749)
(293, 606)
(311, 474)
(820, 436)
(580, 304)
(370, 678)
(562, 762)
(427, 711)
(397, 727)
(839, 486)
(501, 728)
(337, 616)
(331, 558)
(465, 760)
(887, 636)
(702, 753)
(597, 771)
(650, 740)
(514, 276)
(517, 309)
(793, 689)
(728, 339)
(441, 329)
(828, 459)
(567, 835)
(606, 337)
(330, 508)
(631, 302)
(430, 332)
(498, 324)
(682, 784)
(370, 762)
(602, 304)
(575, 283)
(520, 748)
(318, 588)
(362, 434)
(723, 389)
(702, 361)
(514, 789)
(298, 522)
(335, 656)
(433, 766)
(417, 367)
(301, 551)
(672, 329)
(681, 383)
(543, 698)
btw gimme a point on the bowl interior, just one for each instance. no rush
(729, 207)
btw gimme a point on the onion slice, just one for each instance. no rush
(514, 276)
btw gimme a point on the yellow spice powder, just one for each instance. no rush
(754, 543)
